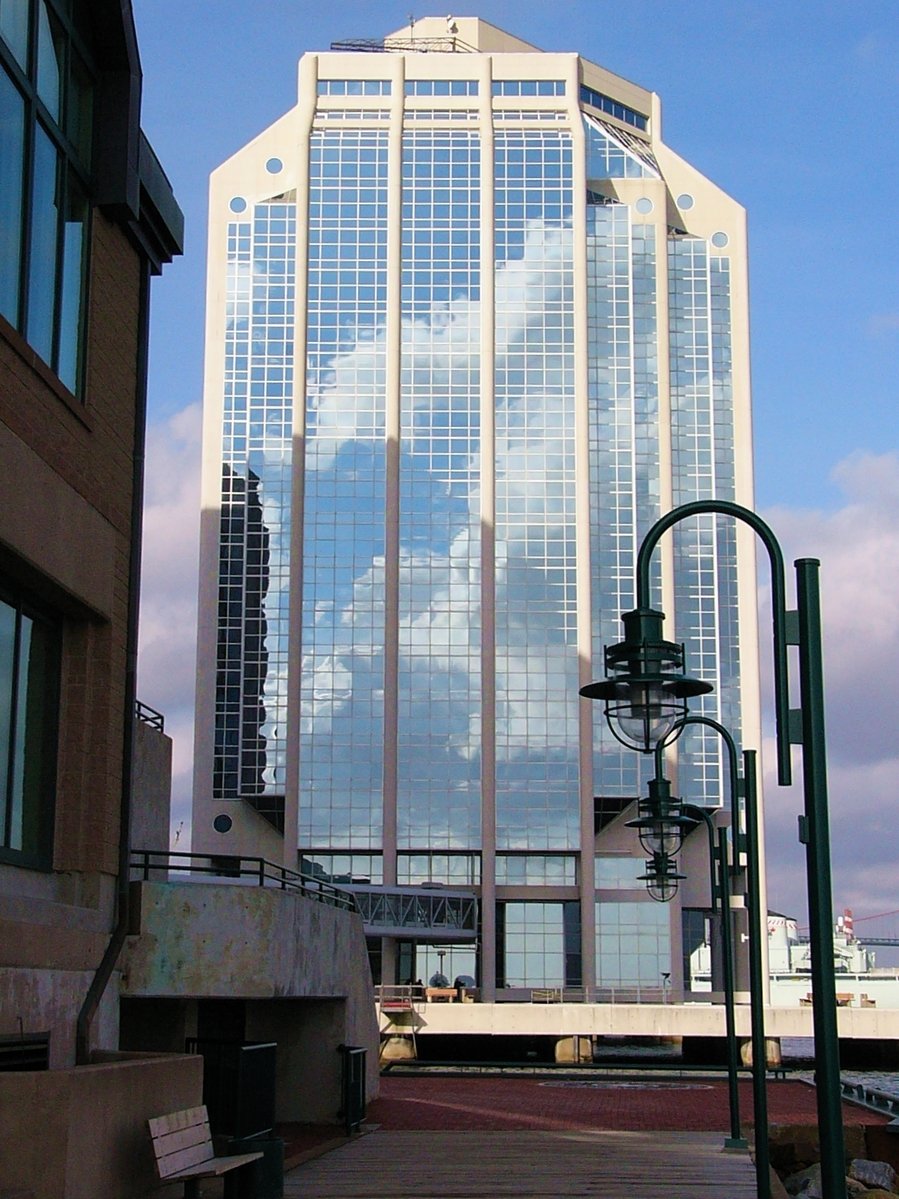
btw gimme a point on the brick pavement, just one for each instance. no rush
(503, 1103)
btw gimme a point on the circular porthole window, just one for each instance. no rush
(238, 204)
(222, 823)
(685, 202)
(719, 240)
(274, 165)
(644, 205)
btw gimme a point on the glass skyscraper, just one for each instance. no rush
(472, 327)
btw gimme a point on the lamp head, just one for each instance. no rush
(661, 878)
(645, 689)
(661, 823)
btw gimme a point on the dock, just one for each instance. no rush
(527, 1165)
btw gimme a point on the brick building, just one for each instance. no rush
(87, 216)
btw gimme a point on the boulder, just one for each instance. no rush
(873, 1174)
(807, 1185)
(794, 1146)
(805, 1182)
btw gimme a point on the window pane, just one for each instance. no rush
(71, 308)
(17, 779)
(7, 656)
(29, 700)
(50, 54)
(12, 116)
(42, 266)
(79, 109)
(36, 732)
(14, 29)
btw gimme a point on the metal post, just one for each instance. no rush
(719, 880)
(756, 979)
(816, 835)
(723, 892)
(801, 628)
(736, 1140)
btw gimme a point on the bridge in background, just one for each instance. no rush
(882, 928)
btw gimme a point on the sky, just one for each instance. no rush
(785, 106)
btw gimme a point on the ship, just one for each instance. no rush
(859, 981)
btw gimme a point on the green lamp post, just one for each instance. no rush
(638, 687)
(746, 789)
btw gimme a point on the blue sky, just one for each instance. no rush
(789, 108)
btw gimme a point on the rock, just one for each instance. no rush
(873, 1174)
(794, 1146)
(879, 1193)
(806, 1182)
(855, 1188)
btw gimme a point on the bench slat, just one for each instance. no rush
(216, 1166)
(184, 1138)
(194, 1155)
(174, 1121)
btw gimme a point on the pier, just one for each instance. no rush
(664, 1020)
(527, 1165)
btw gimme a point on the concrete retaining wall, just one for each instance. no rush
(82, 1133)
(300, 966)
(634, 1020)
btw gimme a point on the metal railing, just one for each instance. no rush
(873, 1099)
(405, 996)
(150, 716)
(635, 994)
(234, 868)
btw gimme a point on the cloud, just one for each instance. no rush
(168, 616)
(858, 546)
(881, 324)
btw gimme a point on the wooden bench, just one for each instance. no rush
(843, 999)
(183, 1149)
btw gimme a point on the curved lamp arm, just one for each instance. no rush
(778, 604)
(722, 732)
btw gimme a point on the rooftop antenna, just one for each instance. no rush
(411, 26)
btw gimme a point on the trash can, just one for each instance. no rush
(261, 1179)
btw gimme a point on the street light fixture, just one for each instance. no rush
(640, 656)
(660, 822)
(661, 877)
(646, 690)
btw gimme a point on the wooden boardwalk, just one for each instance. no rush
(526, 1165)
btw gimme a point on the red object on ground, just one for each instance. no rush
(492, 1103)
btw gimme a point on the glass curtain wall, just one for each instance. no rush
(439, 668)
(537, 801)
(254, 564)
(705, 563)
(342, 671)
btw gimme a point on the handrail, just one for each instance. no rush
(150, 716)
(238, 866)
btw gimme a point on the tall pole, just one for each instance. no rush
(756, 978)
(815, 833)
(736, 1140)
(719, 878)
(801, 628)
(757, 929)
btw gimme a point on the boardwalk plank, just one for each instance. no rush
(526, 1165)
